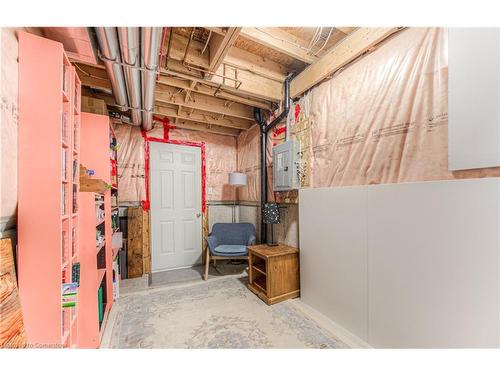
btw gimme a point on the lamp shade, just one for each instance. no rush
(271, 213)
(237, 179)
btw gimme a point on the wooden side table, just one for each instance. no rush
(273, 272)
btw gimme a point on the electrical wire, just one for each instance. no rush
(89, 74)
(282, 40)
(326, 41)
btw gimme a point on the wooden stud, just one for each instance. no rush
(146, 252)
(135, 242)
(353, 46)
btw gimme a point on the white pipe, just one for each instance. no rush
(130, 48)
(150, 44)
(108, 45)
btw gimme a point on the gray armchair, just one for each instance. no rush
(229, 241)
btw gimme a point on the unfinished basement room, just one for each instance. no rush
(248, 187)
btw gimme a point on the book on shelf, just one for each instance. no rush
(63, 164)
(75, 199)
(75, 135)
(63, 200)
(63, 126)
(64, 244)
(64, 82)
(75, 273)
(69, 293)
(73, 243)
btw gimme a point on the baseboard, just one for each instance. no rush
(334, 328)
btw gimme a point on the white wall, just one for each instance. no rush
(473, 98)
(405, 265)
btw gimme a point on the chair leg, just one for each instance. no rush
(215, 262)
(207, 264)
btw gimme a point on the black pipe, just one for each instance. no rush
(263, 171)
(264, 129)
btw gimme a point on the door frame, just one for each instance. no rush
(146, 203)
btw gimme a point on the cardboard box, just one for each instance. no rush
(94, 105)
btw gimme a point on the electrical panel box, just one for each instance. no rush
(286, 166)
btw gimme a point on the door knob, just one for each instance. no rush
(198, 215)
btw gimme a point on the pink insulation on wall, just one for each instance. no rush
(249, 163)
(9, 77)
(383, 119)
(220, 161)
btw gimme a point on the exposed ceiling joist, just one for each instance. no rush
(259, 65)
(188, 52)
(278, 40)
(211, 91)
(200, 116)
(217, 30)
(346, 30)
(351, 47)
(173, 95)
(252, 88)
(245, 82)
(219, 47)
(193, 125)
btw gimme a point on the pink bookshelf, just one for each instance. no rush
(96, 255)
(48, 208)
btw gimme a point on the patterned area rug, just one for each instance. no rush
(221, 313)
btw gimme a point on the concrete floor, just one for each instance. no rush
(194, 275)
(182, 276)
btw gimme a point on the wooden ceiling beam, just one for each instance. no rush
(346, 30)
(193, 125)
(219, 47)
(200, 116)
(173, 95)
(249, 89)
(259, 65)
(278, 40)
(211, 91)
(352, 46)
(194, 54)
(217, 30)
(248, 82)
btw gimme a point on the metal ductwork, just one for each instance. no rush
(108, 45)
(130, 39)
(151, 43)
(140, 49)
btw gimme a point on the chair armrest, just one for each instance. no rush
(212, 242)
(251, 240)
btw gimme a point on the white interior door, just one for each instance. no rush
(175, 191)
